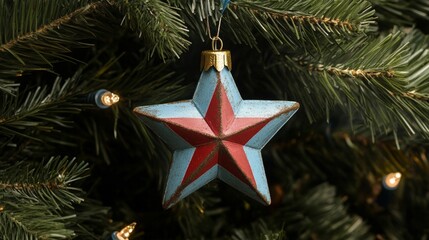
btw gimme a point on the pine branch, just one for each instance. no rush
(397, 57)
(401, 12)
(36, 47)
(47, 114)
(357, 74)
(33, 196)
(362, 76)
(195, 12)
(418, 65)
(359, 168)
(159, 25)
(91, 221)
(40, 109)
(199, 211)
(47, 183)
(360, 152)
(318, 213)
(44, 29)
(326, 16)
(8, 87)
(294, 23)
(362, 59)
(144, 83)
(31, 221)
(202, 8)
(258, 230)
(360, 164)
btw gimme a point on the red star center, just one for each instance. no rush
(219, 138)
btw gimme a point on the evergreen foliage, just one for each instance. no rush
(358, 68)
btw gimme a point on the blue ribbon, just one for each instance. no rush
(225, 4)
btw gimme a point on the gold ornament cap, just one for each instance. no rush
(217, 59)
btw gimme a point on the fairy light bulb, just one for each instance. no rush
(391, 180)
(109, 98)
(103, 98)
(125, 232)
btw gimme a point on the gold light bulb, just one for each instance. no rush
(125, 232)
(109, 98)
(391, 180)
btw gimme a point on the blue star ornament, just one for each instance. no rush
(217, 134)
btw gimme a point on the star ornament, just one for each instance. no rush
(217, 134)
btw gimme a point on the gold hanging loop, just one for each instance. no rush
(216, 57)
(218, 26)
(214, 43)
(216, 38)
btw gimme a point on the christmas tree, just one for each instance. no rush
(77, 162)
